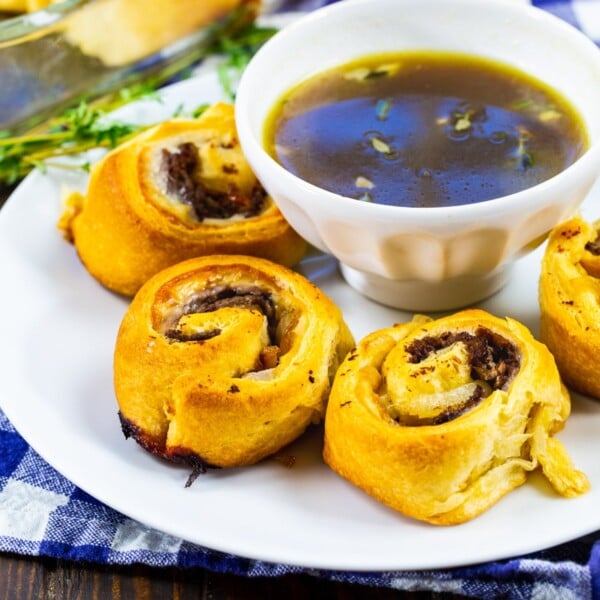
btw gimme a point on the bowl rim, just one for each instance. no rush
(589, 160)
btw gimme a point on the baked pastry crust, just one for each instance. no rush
(223, 360)
(131, 224)
(406, 423)
(569, 294)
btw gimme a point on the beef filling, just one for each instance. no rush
(221, 296)
(493, 359)
(454, 412)
(594, 247)
(198, 336)
(181, 168)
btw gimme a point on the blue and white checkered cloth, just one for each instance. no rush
(44, 514)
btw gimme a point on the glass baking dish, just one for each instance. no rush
(77, 49)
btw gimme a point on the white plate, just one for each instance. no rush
(58, 328)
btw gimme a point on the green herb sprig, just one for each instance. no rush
(237, 52)
(88, 125)
(75, 131)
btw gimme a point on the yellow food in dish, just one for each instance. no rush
(569, 296)
(439, 419)
(223, 360)
(24, 6)
(179, 190)
(139, 29)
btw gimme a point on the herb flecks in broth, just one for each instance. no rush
(424, 129)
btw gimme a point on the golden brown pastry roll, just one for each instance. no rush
(179, 190)
(439, 419)
(569, 297)
(223, 360)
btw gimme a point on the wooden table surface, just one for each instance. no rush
(23, 578)
(37, 578)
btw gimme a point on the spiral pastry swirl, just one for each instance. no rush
(179, 190)
(223, 360)
(439, 419)
(569, 295)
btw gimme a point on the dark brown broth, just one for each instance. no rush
(424, 129)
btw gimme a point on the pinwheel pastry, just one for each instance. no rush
(569, 297)
(223, 360)
(180, 190)
(439, 419)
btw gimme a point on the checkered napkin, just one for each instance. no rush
(44, 514)
(583, 14)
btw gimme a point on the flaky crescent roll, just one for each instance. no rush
(569, 295)
(179, 190)
(439, 419)
(223, 360)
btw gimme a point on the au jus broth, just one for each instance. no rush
(423, 129)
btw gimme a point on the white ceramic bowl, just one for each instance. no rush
(424, 259)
